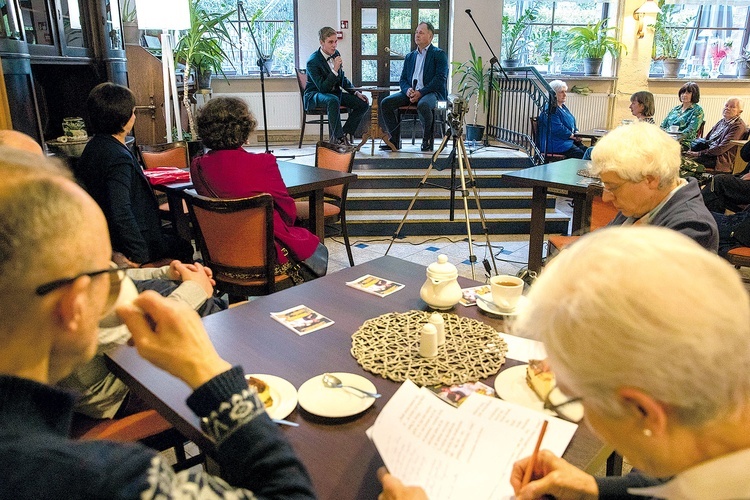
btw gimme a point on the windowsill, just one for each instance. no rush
(548, 76)
(701, 80)
(255, 77)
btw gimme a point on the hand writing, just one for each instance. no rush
(393, 489)
(553, 476)
(170, 335)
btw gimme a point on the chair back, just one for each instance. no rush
(332, 158)
(699, 133)
(235, 237)
(172, 154)
(301, 80)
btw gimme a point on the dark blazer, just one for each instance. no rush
(320, 78)
(114, 178)
(434, 73)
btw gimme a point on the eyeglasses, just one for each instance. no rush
(611, 189)
(116, 275)
(563, 408)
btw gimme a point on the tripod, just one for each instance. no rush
(459, 157)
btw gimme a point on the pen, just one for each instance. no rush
(532, 462)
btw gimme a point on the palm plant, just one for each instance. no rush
(592, 41)
(474, 81)
(513, 36)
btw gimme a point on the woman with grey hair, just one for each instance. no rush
(557, 126)
(666, 385)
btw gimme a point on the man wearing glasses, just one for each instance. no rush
(56, 283)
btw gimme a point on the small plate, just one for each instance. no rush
(324, 401)
(283, 394)
(491, 308)
(510, 385)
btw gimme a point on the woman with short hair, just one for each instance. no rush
(688, 116)
(642, 106)
(557, 126)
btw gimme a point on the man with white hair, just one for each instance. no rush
(639, 166)
(716, 150)
(56, 282)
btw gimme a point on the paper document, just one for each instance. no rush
(465, 452)
(523, 349)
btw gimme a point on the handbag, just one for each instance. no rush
(316, 265)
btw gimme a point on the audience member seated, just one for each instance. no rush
(103, 395)
(112, 175)
(639, 165)
(423, 82)
(228, 171)
(56, 254)
(688, 116)
(716, 150)
(329, 88)
(641, 106)
(556, 128)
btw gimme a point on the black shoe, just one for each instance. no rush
(341, 141)
(427, 145)
(350, 138)
(386, 147)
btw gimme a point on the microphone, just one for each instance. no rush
(388, 50)
(414, 84)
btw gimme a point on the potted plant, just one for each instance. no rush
(743, 63)
(474, 83)
(200, 48)
(669, 38)
(513, 37)
(591, 43)
(130, 31)
(268, 38)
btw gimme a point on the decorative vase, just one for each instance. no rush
(671, 67)
(592, 66)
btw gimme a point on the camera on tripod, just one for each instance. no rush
(457, 107)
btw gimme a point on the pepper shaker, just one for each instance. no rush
(436, 319)
(428, 341)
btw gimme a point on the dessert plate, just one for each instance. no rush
(487, 306)
(510, 385)
(283, 394)
(316, 398)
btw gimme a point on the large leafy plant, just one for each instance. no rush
(514, 36)
(594, 41)
(669, 32)
(474, 80)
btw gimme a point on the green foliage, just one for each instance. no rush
(200, 46)
(266, 34)
(474, 80)
(743, 60)
(669, 32)
(593, 41)
(127, 11)
(514, 38)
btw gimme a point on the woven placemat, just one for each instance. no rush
(389, 346)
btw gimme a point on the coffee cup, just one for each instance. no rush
(674, 129)
(506, 290)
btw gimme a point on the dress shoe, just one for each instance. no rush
(427, 145)
(350, 138)
(386, 147)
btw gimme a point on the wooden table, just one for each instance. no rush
(739, 163)
(558, 178)
(300, 180)
(375, 132)
(593, 134)
(340, 458)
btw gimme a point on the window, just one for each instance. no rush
(708, 37)
(272, 23)
(542, 43)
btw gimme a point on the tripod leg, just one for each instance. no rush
(416, 194)
(461, 156)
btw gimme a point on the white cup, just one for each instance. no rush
(506, 290)
(674, 129)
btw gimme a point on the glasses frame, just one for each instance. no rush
(115, 284)
(549, 405)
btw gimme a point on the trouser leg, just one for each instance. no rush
(357, 109)
(726, 189)
(389, 109)
(425, 108)
(332, 106)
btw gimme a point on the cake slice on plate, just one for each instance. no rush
(540, 378)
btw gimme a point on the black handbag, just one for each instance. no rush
(315, 266)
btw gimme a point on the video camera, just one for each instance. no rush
(457, 107)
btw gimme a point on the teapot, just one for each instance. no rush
(441, 289)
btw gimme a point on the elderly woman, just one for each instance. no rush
(688, 116)
(664, 384)
(642, 106)
(228, 171)
(639, 166)
(557, 126)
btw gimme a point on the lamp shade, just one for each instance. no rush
(163, 14)
(648, 7)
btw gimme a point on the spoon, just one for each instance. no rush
(493, 306)
(334, 382)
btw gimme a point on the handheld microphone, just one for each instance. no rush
(414, 84)
(388, 50)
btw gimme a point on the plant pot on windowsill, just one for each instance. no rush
(743, 71)
(131, 33)
(671, 67)
(474, 132)
(592, 66)
(511, 63)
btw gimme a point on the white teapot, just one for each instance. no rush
(441, 290)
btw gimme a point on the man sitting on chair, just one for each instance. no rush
(423, 82)
(326, 83)
(717, 150)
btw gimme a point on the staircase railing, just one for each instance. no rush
(515, 103)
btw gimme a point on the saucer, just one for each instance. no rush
(316, 398)
(491, 308)
(283, 394)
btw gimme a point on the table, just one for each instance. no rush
(341, 460)
(300, 180)
(560, 178)
(375, 132)
(593, 134)
(739, 163)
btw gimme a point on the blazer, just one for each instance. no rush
(434, 73)
(321, 80)
(562, 124)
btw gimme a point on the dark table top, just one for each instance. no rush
(341, 459)
(560, 174)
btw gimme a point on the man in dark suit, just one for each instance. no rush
(423, 82)
(329, 88)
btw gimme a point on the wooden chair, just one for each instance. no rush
(321, 113)
(147, 427)
(235, 237)
(602, 214)
(548, 157)
(699, 133)
(739, 257)
(335, 209)
(409, 114)
(170, 154)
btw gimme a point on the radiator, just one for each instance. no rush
(712, 107)
(591, 111)
(283, 108)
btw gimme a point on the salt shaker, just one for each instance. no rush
(436, 319)
(428, 341)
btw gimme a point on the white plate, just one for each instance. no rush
(511, 386)
(283, 394)
(324, 401)
(493, 309)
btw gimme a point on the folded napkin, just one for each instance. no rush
(166, 175)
